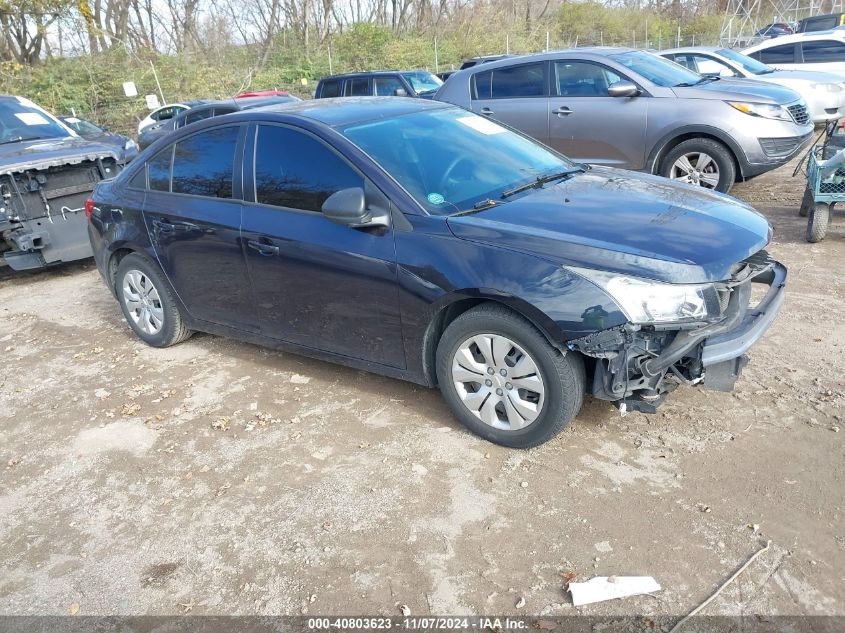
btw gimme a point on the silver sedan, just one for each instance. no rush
(823, 92)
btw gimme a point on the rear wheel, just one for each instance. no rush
(806, 203)
(148, 303)
(700, 161)
(817, 222)
(504, 381)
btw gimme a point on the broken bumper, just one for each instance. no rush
(723, 355)
(639, 366)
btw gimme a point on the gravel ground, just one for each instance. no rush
(217, 477)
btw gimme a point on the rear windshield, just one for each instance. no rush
(22, 120)
(748, 63)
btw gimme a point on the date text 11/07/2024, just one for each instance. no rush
(419, 623)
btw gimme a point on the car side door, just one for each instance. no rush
(587, 124)
(192, 212)
(326, 286)
(515, 95)
(781, 56)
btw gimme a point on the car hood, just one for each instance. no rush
(810, 76)
(52, 152)
(739, 90)
(627, 223)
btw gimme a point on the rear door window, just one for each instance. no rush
(203, 163)
(296, 171)
(821, 51)
(158, 170)
(330, 89)
(784, 54)
(526, 80)
(198, 115)
(358, 87)
(387, 86)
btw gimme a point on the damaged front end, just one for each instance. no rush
(42, 203)
(638, 364)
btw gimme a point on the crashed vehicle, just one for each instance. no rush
(47, 172)
(417, 240)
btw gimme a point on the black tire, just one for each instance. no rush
(172, 329)
(720, 154)
(562, 375)
(817, 222)
(807, 203)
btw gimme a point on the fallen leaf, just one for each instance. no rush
(205, 469)
(73, 609)
(189, 475)
(220, 424)
(403, 608)
(130, 408)
(520, 603)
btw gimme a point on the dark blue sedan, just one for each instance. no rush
(417, 240)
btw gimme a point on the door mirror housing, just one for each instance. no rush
(349, 207)
(400, 92)
(623, 89)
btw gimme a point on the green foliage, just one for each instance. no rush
(92, 87)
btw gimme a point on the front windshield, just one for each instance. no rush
(22, 120)
(81, 126)
(748, 63)
(423, 82)
(658, 70)
(449, 160)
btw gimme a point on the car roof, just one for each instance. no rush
(797, 37)
(691, 49)
(586, 52)
(368, 73)
(341, 111)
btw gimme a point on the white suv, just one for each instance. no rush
(819, 50)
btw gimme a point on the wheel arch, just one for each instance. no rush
(450, 307)
(679, 135)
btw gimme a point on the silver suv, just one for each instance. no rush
(633, 109)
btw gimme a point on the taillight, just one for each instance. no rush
(89, 208)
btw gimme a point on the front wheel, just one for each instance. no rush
(148, 303)
(700, 161)
(817, 222)
(504, 381)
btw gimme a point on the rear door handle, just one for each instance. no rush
(263, 248)
(562, 111)
(163, 226)
(487, 111)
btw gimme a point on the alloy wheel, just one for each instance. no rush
(696, 168)
(498, 381)
(143, 302)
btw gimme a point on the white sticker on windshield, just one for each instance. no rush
(32, 118)
(479, 124)
(72, 119)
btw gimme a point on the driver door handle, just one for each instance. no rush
(562, 111)
(487, 112)
(263, 248)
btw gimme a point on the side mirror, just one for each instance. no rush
(349, 207)
(400, 92)
(623, 89)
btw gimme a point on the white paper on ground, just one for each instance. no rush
(609, 588)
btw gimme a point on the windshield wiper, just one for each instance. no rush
(540, 181)
(478, 206)
(20, 139)
(703, 80)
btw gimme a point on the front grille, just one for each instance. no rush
(780, 146)
(799, 113)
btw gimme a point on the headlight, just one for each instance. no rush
(646, 301)
(827, 87)
(764, 110)
(130, 144)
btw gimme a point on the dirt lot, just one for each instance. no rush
(218, 477)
